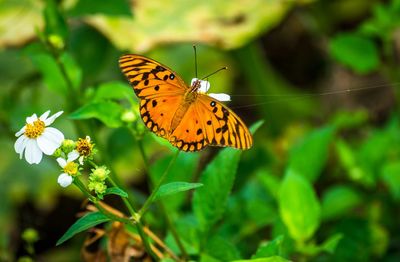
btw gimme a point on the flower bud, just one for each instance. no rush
(128, 116)
(30, 235)
(99, 174)
(56, 42)
(68, 145)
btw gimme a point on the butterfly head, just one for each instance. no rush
(199, 86)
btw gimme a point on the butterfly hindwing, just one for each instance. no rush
(157, 113)
(222, 126)
(189, 135)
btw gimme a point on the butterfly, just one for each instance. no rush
(184, 115)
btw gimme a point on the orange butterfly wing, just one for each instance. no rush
(188, 126)
(159, 89)
(189, 135)
(222, 126)
(209, 122)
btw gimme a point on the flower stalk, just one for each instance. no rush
(150, 199)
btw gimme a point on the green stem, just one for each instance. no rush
(72, 99)
(138, 224)
(92, 199)
(150, 199)
(128, 205)
(170, 224)
(133, 222)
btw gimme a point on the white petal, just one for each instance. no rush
(50, 140)
(221, 96)
(81, 160)
(31, 119)
(21, 131)
(62, 162)
(33, 155)
(44, 116)
(72, 156)
(20, 145)
(204, 85)
(51, 119)
(64, 180)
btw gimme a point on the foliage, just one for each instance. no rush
(318, 85)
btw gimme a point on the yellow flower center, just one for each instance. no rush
(71, 168)
(84, 147)
(35, 129)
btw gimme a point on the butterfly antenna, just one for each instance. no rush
(195, 59)
(207, 76)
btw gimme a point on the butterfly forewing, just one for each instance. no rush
(160, 91)
(150, 78)
(157, 113)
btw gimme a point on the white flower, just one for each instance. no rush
(70, 168)
(220, 96)
(36, 138)
(205, 85)
(64, 180)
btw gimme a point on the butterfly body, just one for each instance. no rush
(187, 118)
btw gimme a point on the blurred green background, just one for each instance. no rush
(322, 181)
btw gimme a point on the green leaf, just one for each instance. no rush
(299, 206)
(116, 191)
(267, 259)
(228, 28)
(51, 72)
(271, 248)
(310, 249)
(209, 202)
(356, 52)
(73, 71)
(186, 227)
(339, 200)
(184, 171)
(309, 156)
(168, 259)
(221, 249)
(349, 119)
(113, 90)
(18, 23)
(106, 111)
(254, 127)
(106, 7)
(258, 208)
(391, 177)
(48, 68)
(208, 258)
(175, 187)
(331, 243)
(87, 221)
(270, 182)
(356, 242)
